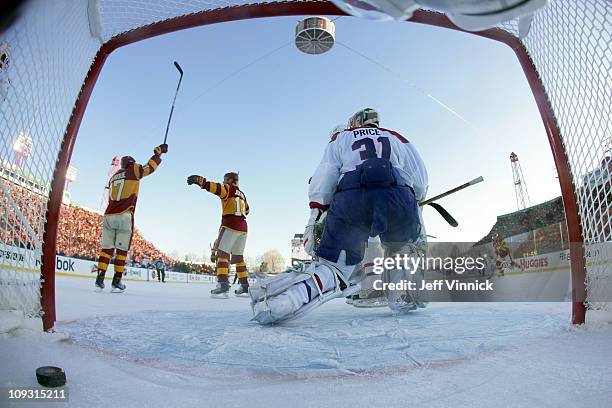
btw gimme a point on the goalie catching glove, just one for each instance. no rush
(317, 217)
(195, 179)
(159, 150)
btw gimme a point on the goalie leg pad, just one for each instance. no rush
(402, 301)
(275, 285)
(296, 292)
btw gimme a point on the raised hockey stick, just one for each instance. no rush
(176, 64)
(441, 210)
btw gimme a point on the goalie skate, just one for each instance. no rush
(399, 307)
(350, 299)
(370, 302)
(369, 297)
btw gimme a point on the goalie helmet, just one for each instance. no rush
(127, 161)
(365, 117)
(230, 178)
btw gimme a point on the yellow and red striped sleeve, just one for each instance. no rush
(143, 171)
(218, 189)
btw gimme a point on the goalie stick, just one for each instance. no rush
(445, 214)
(452, 191)
(180, 70)
(441, 210)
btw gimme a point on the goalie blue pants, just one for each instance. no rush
(356, 214)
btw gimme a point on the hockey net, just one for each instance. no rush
(51, 56)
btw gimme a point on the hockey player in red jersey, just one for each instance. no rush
(230, 244)
(118, 221)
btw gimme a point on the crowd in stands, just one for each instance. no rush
(80, 234)
(534, 230)
(198, 268)
(551, 238)
(79, 230)
(32, 208)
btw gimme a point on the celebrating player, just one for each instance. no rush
(118, 221)
(368, 183)
(230, 244)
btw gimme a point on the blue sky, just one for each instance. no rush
(271, 122)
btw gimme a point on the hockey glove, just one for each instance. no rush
(317, 217)
(162, 148)
(199, 180)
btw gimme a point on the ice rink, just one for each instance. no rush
(159, 345)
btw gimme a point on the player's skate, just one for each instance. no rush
(242, 291)
(100, 281)
(295, 292)
(373, 298)
(117, 285)
(221, 291)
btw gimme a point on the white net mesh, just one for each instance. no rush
(52, 46)
(47, 64)
(570, 43)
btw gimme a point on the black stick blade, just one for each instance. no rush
(176, 64)
(445, 214)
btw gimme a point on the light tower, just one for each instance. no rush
(520, 187)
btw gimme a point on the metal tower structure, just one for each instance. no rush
(520, 187)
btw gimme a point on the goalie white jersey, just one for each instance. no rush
(349, 148)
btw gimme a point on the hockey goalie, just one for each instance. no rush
(368, 184)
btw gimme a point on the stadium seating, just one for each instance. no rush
(79, 229)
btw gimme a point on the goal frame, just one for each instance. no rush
(297, 8)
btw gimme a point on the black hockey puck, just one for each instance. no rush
(49, 376)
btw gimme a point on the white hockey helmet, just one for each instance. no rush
(336, 129)
(364, 117)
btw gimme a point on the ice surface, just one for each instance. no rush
(347, 339)
(158, 345)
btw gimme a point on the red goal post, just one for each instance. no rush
(568, 39)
